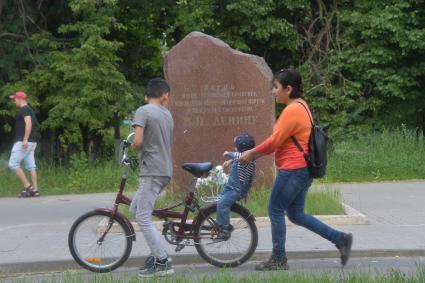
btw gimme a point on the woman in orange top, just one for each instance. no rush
(293, 179)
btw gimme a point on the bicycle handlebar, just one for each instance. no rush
(125, 144)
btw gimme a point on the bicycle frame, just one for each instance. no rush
(180, 233)
(162, 213)
(120, 199)
(165, 213)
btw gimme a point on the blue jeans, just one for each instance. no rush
(288, 194)
(227, 198)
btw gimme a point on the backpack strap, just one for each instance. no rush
(308, 112)
(305, 155)
(294, 140)
(300, 148)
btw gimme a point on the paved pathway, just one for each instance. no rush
(36, 230)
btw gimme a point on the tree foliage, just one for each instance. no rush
(383, 50)
(85, 62)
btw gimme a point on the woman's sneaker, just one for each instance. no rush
(157, 268)
(273, 264)
(344, 247)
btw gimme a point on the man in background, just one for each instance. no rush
(24, 146)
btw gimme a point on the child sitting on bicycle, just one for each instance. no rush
(238, 184)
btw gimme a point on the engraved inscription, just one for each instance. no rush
(226, 105)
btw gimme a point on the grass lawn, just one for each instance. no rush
(320, 201)
(226, 276)
(390, 155)
(78, 178)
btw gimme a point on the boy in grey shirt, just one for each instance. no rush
(153, 128)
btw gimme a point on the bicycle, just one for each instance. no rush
(101, 240)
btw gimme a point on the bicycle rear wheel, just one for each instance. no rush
(87, 248)
(226, 252)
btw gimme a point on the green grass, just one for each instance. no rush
(390, 155)
(227, 276)
(320, 201)
(79, 177)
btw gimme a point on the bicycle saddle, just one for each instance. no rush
(198, 169)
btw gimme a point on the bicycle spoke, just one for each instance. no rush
(104, 254)
(229, 250)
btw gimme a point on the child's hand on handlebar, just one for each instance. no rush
(226, 154)
(226, 164)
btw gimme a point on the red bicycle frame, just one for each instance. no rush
(161, 213)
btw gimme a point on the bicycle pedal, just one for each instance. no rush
(179, 247)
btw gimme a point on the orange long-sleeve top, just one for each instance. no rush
(293, 121)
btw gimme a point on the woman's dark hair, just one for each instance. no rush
(157, 87)
(290, 77)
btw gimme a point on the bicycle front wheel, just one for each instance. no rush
(96, 250)
(231, 252)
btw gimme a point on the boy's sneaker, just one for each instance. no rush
(148, 262)
(344, 247)
(156, 268)
(273, 264)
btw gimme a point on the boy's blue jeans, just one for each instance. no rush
(289, 194)
(228, 197)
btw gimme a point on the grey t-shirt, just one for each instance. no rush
(155, 157)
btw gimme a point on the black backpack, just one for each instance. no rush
(316, 158)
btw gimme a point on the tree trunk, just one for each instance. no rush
(117, 136)
(86, 138)
(423, 124)
(46, 145)
(94, 149)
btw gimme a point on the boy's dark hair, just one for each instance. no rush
(244, 142)
(156, 88)
(290, 77)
